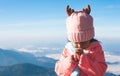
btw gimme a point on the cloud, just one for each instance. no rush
(28, 50)
(54, 56)
(49, 22)
(113, 67)
(107, 32)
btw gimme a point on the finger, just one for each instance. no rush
(75, 57)
(80, 52)
(78, 57)
(78, 49)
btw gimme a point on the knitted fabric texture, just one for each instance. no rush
(80, 27)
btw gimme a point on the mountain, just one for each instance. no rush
(46, 62)
(11, 57)
(110, 74)
(15, 63)
(26, 69)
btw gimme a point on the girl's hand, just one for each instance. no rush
(77, 53)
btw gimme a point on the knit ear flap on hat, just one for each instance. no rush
(87, 10)
(69, 11)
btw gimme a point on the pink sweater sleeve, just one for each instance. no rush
(94, 65)
(64, 66)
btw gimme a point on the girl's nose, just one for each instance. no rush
(79, 45)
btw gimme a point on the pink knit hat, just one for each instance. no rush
(80, 27)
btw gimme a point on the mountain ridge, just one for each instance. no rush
(26, 69)
(11, 57)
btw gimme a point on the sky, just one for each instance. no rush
(24, 23)
(33, 20)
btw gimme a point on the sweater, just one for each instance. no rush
(91, 63)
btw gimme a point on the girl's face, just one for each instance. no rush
(81, 45)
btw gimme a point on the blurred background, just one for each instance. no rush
(34, 31)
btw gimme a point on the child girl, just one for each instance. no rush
(83, 55)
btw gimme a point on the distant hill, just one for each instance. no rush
(46, 62)
(14, 63)
(11, 57)
(26, 69)
(110, 74)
